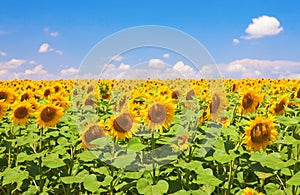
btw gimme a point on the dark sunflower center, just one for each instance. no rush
(259, 133)
(89, 101)
(233, 87)
(21, 112)
(280, 106)
(247, 101)
(190, 94)
(298, 93)
(24, 97)
(215, 103)
(3, 95)
(48, 114)
(56, 89)
(175, 94)
(94, 132)
(157, 113)
(47, 92)
(123, 123)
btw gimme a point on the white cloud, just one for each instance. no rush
(166, 55)
(51, 33)
(123, 66)
(263, 26)
(69, 71)
(157, 63)
(54, 34)
(12, 64)
(180, 66)
(37, 70)
(235, 41)
(2, 53)
(245, 68)
(45, 47)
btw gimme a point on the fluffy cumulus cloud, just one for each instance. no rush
(45, 47)
(69, 71)
(235, 41)
(255, 68)
(156, 63)
(263, 26)
(166, 55)
(12, 64)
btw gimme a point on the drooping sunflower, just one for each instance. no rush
(250, 191)
(217, 105)
(122, 126)
(250, 101)
(3, 108)
(159, 114)
(259, 133)
(278, 107)
(20, 113)
(92, 131)
(48, 115)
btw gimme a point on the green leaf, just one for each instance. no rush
(22, 157)
(295, 180)
(86, 156)
(222, 157)
(287, 121)
(124, 160)
(135, 144)
(14, 175)
(52, 161)
(144, 186)
(206, 177)
(91, 183)
(263, 175)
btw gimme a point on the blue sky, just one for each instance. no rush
(49, 39)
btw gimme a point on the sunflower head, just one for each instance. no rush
(250, 191)
(3, 108)
(48, 115)
(259, 133)
(250, 101)
(278, 107)
(20, 113)
(122, 126)
(160, 113)
(92, 131)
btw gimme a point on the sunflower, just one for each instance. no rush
(48, 115)
(92, 131)
(20, 113)
(160, 113)
(3, 108)
(122, 126)
(260, 132)
(6, 95)
(278, 107)
(250, 191)
(217, 105)
(250, 101)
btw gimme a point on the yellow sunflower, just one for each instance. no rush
(250, 191)
(20, 113)
(3, 108)
(6, 95)
(160, 113)
(250, 101)
(48, 115)
(122, 126)
(217, 105)
(92, 131)
(260, 132)
(278, 107)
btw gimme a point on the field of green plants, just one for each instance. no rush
(150, 137)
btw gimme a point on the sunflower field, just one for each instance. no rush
(179, 136)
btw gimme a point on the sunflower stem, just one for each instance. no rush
(153, 164)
